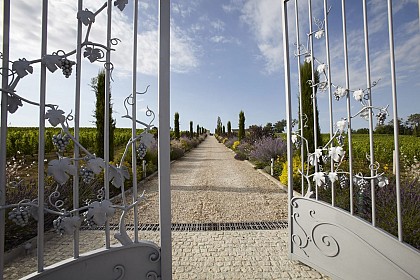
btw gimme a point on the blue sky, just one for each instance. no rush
(226, 56)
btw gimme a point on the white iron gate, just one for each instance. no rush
(321, 234)
(133, 258)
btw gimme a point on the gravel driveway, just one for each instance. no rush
(209, 185)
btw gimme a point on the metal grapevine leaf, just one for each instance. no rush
(13, 103)
(333, 177)
(60, 169)
(22, 67)
(336, 153)
(86, 17)
(117, 175)
(93, 54)
(341, 125)
(52, 62)
(55, 117)
(147, 139)
(120, 4)
(99, 212)
(358, 95)
(319, 34)
(67, 225)
(319, 178)
(96, 164)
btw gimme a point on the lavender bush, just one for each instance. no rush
(230, 141)
(243, 150)
(267, 148)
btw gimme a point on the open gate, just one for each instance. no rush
(323, 234)
(133, 258)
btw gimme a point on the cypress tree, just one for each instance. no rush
(176, 122)
(307, 106)
(229, 128)
(198, 130)
(98, 86)
(219, 126)
(241, 133)
(191, 130)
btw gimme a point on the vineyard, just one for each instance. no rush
(24, 140)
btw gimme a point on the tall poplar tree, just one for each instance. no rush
(176, 123)
(241, 133)
(307, 107)
(98, 86)
(229, 128)
(191, 129)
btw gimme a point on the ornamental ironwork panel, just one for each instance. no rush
(321, 234)
(132, 256)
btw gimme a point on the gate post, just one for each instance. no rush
(164, 140)
(287, 93)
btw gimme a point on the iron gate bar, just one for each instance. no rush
(368, 86)
(395, 114)
(41, 141)
(330, 105)
(302, 182)
(3, 128)
(107, 113)
(76, 152)
(346, 73)
(134, 116)
(314, 98)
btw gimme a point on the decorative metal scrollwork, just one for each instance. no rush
(94, 212)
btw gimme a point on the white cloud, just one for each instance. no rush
(218, 25)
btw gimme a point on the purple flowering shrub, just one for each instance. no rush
(410, 204)
(267, 148)
(243, 150)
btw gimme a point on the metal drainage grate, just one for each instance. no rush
(203, 226)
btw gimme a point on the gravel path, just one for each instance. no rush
(209, 185)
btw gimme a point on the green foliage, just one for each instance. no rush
(279, 126)
(307, 107)
(229, 128)
(191, 129)
(219, 126)
(176, 125)
(198, 131)
(241, 133)
(98, 86)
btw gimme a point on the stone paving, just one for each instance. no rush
(256, 254)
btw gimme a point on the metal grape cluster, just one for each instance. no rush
(60, 141)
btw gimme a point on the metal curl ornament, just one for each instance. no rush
(114, 41)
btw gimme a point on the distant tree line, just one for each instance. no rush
(409, 127)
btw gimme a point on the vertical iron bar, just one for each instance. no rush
(164, 139)
(134, 116)
(314, 105)
(41, 145)
(395, 115)
(302, 146)
(368, 85)
(346, 73)
(77, 125)
(3, 133)
(327, 49)
(288, 116)
(106, 114)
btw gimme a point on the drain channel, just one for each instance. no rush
(203, 226)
